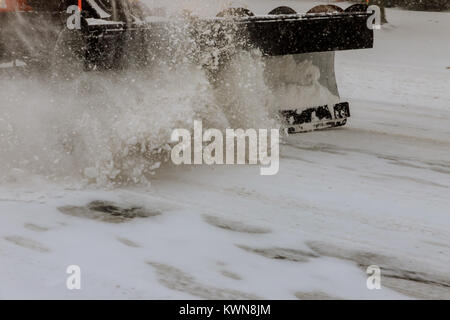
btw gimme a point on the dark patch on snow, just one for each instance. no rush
(233, 225)
(320, 148)
(395, 274)
(128, 242)
(109, 212)
(291, 157)
(35, 227)
(281, 253)
(404, 164)
(440, 167)
(175, 279)
(415, 180)
(315, 295)
(230, 275)
(387, 124)
(440, 170)
(27, 243)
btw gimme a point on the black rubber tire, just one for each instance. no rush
(326, 8)
(282, 10)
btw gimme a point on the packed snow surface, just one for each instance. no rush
(376, 192)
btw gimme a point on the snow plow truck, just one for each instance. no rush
(114, 34)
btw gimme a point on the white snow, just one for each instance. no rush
(375, 192)
(295, 85)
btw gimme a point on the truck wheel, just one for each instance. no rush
(326, 8)
(282, 10)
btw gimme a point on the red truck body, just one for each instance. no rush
(14, 5)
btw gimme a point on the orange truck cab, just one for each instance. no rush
(14, 5)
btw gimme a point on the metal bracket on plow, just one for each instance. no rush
(316, 118)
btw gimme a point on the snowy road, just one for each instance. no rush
(376, 192)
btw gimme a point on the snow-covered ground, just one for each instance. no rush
(376, 192)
